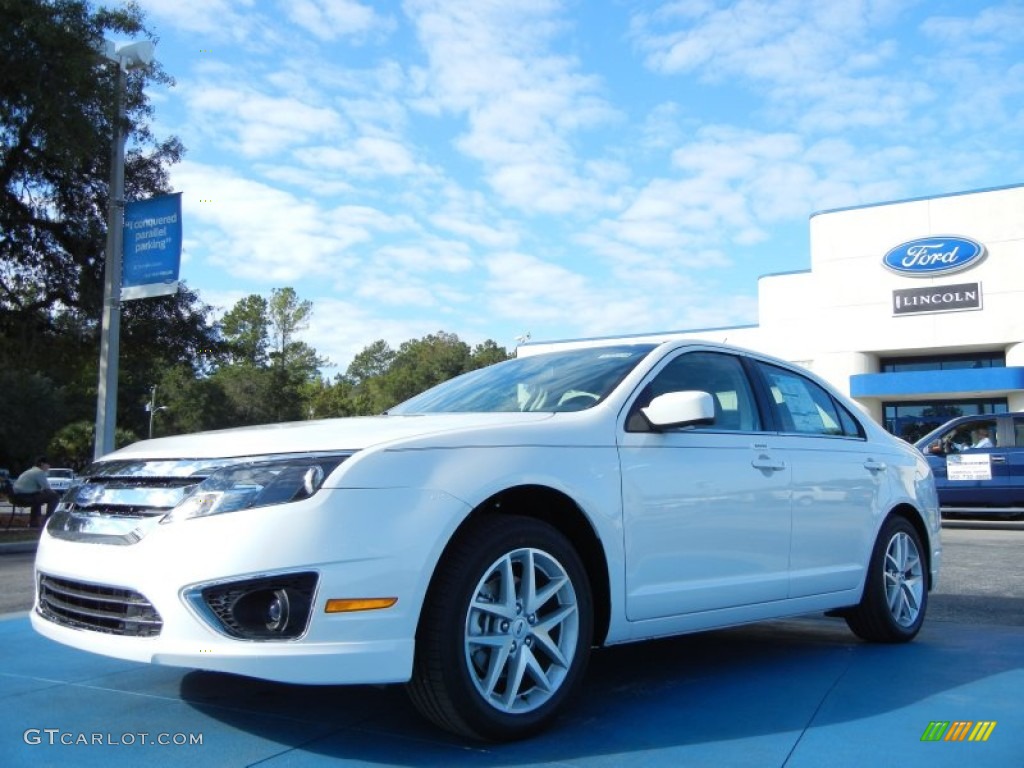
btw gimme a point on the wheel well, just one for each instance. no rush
(913, 517)
(561, 512)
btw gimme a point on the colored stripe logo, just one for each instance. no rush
(958, 730)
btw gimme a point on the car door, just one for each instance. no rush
(838, 483)
(1014, 453)
(706, 509)
(968, 471)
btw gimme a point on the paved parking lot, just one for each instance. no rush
(796, 693)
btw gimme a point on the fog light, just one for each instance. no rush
(277, 611)
(269, 608)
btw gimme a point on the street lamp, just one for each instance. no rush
(152, 407)
(129, 56)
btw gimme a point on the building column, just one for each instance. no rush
(1015, 358)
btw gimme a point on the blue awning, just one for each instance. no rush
(973, 381)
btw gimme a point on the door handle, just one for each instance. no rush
(997, 459)
(767, 462)
(874, 466)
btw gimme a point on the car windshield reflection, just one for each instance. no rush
(556, 382)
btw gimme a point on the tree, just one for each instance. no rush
(57, 109)
(56, 116)
(156, 335)
(33, 410)
(287, 316)
(325, 400)
(72, 445)
(269, 371)
(193, 403)
(373, 361)
(382, 377)
(246, 329)
(488, 353)
(422, 363)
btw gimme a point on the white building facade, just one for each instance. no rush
(913, 308)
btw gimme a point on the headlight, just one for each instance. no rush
(254, 484)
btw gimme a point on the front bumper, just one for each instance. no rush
(358, 543)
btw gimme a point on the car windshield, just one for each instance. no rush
(557, 381)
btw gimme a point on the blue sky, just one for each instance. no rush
(564, 168)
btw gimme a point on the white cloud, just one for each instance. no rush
(993, 30)
(494, 166)
(213, 19)
(484, 234)
(535, 295)
(264, 234)
(764, 40)
(365, 156)
(396, 292)
(254, 123)
(427, 254)
(493, 64)
(334, 19)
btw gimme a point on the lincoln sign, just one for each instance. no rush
(937, 298)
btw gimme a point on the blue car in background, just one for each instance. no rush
(978, 463)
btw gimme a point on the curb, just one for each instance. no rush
(17, 547)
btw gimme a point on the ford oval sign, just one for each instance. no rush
(929, 256)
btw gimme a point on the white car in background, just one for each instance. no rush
(60, 479)
(478, 540)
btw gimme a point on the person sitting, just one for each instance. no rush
(32, 488)
(981, 439)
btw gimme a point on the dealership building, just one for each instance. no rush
(913, 308)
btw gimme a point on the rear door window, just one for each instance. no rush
(804, 407)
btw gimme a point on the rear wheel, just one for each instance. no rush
(506, 631)
(895, 596)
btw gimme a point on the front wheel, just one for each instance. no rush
(896, 591)
(506, 630)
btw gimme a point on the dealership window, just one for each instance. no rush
(942, 362)
(914, 420)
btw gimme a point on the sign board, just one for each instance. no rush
(936, 298)
(931, 256)
(152, 247)
(969, 466)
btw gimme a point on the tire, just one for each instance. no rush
(497, 653)
(895, 596)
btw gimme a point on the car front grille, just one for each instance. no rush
(99, 608)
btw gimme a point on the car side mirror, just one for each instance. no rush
(680, 409)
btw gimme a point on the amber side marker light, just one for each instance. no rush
(359, 604)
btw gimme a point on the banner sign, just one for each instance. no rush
(936, 298)
(969, 466)
(152, 247)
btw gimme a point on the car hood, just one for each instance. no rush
(347, 434)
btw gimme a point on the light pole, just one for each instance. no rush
(152, 407)
(126, 57)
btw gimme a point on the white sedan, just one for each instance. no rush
(478, 540)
